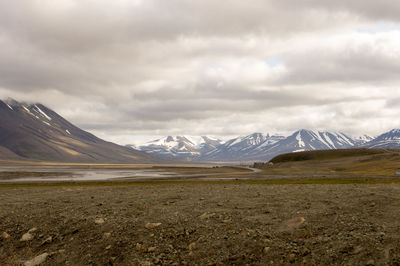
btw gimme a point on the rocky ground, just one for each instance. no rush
(204, 224)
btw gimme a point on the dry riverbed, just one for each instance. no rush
(201, 224)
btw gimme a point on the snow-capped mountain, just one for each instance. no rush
(308, 140)
(241, 148)
(256, 146)
(262, 147)
(362, 139)
(35, 132)
(388, 140)
(186, 148)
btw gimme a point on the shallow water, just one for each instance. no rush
(66, 173)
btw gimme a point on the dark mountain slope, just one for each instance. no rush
(35, 132)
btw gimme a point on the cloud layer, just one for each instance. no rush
(129, 69)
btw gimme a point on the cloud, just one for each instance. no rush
(130, 68)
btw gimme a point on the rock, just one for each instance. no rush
(152, 225)
(206, 215)
(108, 247)
(151, 249)
(32, 230)
(357, 250)
(47, 240)
(295, 222)
(371, 262)
(99, 221)
(107, 235)
(26, 237)
(145, 263)
(139, 246)
(192, 246)
(4, 235)
(37, 260)
(266, 250)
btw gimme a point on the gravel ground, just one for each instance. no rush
(204, 224)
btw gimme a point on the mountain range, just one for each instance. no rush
(35, 132)
(261, 147)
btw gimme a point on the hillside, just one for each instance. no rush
(35, 132)
(336, 162)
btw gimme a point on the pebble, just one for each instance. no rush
(4, 235)
(47, 240)
(37, 260)
(26, 237)
(152, 225)
(266, 249)
(108, 247)
(295, 222)
(107, 234)
(32, 230)
(206, 215)
(371, 262)
(151, 249)
(192, 246)
(99, 221)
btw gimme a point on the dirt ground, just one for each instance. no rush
(204, 224)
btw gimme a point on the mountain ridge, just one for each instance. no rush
(31, 131)
(262, 147)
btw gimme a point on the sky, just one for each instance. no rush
(133, 70)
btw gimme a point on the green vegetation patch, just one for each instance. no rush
(324, 155)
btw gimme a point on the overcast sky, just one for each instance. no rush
(130, 70)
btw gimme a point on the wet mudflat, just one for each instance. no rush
(224, 224)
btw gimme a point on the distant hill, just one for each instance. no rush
(35, 132)
(355, 163)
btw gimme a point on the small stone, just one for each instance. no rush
(47, 240)
(139, 246)
(4, 235)
(295, 222)
(108, 247)
(266, 250)
(357, 250)
(32, 230)
(99, 221)
(152, 225)
(37, 260)
(192, 246)
(151, 249)
(371, 262)
(145, 263)
(26, 237)
(107, 234)
(206, 215)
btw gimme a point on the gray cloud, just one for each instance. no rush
(126, 68)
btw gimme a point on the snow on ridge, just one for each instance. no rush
(328, 139)
(43, 113)
(26, 109)
(299, 140)
(9, 106)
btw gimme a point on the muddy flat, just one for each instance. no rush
(215, 224)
